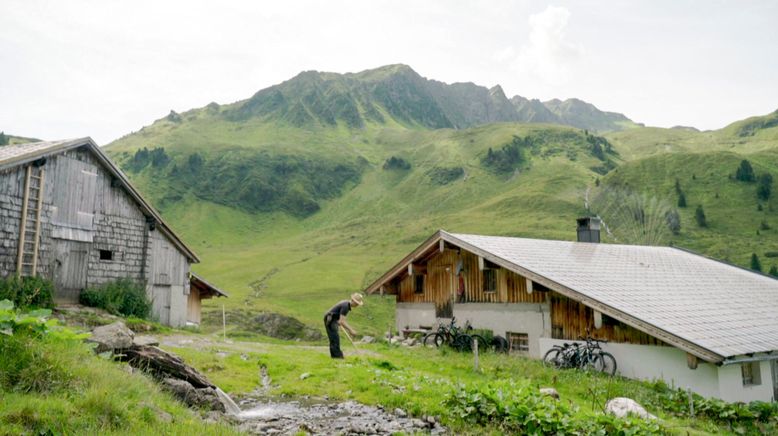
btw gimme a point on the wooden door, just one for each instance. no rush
(71, 260)
(443, 276)
(161, 303)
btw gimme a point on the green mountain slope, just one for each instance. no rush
(310, 189)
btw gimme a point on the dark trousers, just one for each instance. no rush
(331, 325)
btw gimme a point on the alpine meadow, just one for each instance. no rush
(319, 184)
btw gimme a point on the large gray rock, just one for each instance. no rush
(550, 392)
(204, 398)
(112, 337)
(621, 407)
(367, 340)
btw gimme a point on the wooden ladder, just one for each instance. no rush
(29, 231)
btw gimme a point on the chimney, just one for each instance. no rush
(589, 229)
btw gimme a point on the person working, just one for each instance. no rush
(336, 317)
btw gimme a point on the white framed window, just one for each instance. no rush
(518, 342)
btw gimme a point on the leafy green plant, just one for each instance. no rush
(27, 292)
(520, 408)
(122, 297)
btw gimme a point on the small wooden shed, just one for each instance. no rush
(68, 213)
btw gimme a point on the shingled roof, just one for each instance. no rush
(19, 154)
(709, 308)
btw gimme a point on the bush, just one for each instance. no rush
(444, 176)
(699, 216)
(396, 163)
(521, 409)
(27, 292)
(745, 172)
(765, 186)
(122, 297)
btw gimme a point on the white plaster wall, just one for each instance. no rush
(649, 362)
(413, 315)
(534, 319)
(732, 389)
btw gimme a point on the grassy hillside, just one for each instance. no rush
(292, 218)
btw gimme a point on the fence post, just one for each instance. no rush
(224, 323)
(475, 352)
(691, 402)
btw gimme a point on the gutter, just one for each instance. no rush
(734, 361)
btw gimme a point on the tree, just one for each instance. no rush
(755, 264)
(673, 221)
(773, 271)
(678, 187)
(681, 199)
(745, 173)
(3, 139)
(765, 186)
(699, 215)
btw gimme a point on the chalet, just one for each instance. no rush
(667, 313)
(69, 214)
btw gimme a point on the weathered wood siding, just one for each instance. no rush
(194, 307)
(84, 212)
(570, 319)
(441, 283)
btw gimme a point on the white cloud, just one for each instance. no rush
(548, 56)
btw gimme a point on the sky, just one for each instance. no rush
(106, 68)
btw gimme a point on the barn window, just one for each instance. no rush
(750, 373)
(518, 342)
(106, 255)
(490, 280)
(418, 283)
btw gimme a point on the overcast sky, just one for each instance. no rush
(106, 68)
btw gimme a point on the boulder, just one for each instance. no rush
(400, 413)
(395, 340)
(112, 337)
(145, 340)
(205, 398)
(367, 340)
(305, 375)
(550, 392)
(621, 407)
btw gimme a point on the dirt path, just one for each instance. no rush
(193, 341)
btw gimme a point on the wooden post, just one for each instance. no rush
(691, 402)
(224, 323)
(475, 353)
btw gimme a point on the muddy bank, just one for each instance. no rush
(319, 417)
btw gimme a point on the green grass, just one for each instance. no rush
(76, 392)
(417, 380)
(307, 264)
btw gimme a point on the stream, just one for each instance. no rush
(321, 417)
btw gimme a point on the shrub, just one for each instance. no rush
(699, 216)
(122, 297)
(444, 176)
(755, 264)
(27, 292)
(764, 187)
(681, 199)
(521, 409)
(745, 172)
(396, 163)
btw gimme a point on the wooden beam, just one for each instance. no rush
(481, 262)
(23, 226)
(529, 286)
(691, 361)
(415, 269)
(442, 246)
(597, 319)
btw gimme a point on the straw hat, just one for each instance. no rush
(356, 298)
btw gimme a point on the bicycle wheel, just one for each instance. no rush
(433, 340)
(551, 358)
(590, 362)
(607, 362)
(499, 344)
(463, 343)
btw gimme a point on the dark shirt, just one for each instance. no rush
(340, 309)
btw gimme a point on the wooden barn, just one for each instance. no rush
(70, 215)
(667, 313)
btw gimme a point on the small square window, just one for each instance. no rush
(750, 373)
(518, 342)
(418, 284)
(106, 255)
(490, 280)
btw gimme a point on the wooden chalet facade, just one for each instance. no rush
(70, 215)
(654, 305)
